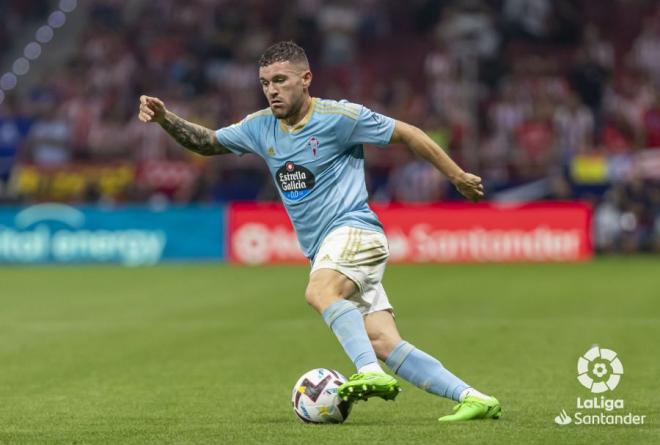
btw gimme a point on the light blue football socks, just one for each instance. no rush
(346, 322)
(424, 371)
(408, 362)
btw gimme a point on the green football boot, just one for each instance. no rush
(475, 408)
(369, 384)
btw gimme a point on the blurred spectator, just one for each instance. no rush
(598, 49)
(108, 138)
(574, 127)
(506, 115)
(528, 18)
(617, 136)
(607, 216)
(627, 217)
(469, 29)
(14, 128)
(16, 14)
(339, 21)
(646, 49)
(535, 142)
(651, 124)
(588, 79)
(50, 137)
(626, 100)
(417, 181)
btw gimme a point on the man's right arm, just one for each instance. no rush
(194, 137)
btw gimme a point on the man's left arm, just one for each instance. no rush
(420, 143)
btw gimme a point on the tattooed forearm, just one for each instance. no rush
(194, 137)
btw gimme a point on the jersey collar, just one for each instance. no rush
(300, 125)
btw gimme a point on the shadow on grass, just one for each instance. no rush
(354, 423)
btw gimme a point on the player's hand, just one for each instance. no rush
(470, 186)
(152, 109)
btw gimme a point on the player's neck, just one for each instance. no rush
(300, 115)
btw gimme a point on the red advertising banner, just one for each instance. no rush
(557, 231)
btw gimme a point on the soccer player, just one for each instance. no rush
(313, 148)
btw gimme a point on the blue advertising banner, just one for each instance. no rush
(59, 233)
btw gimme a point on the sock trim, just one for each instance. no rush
(370, 367)
(399, 355)
(458, 392)
(471, 392)
(336, 310)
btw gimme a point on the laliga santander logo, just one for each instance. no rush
(599, 370)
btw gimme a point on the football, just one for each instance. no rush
(315, 400)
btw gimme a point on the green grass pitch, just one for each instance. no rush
(209, 353)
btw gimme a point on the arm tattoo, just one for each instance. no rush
(194, 137)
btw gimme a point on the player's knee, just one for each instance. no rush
(319, 298)
(314, 298)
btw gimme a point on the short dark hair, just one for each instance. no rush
(283, 52)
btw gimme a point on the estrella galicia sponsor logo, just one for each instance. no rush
(599, 370)
(295, 181)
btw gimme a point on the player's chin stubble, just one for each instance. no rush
(279, 114)
(284, 113)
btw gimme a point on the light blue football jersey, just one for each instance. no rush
(317, 165)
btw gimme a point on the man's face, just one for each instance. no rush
(284, 85)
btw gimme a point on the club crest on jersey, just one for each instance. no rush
(313, 144)
(295, 181)
(271, 151)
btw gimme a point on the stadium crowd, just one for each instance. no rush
(516, 90)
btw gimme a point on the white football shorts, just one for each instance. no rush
(361, 255)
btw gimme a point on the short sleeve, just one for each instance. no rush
(371, 128)
(237, 138)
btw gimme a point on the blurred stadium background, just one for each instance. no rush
(545, 100)
(555, 103)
